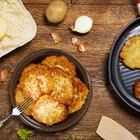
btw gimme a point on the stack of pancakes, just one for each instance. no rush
(54, 88)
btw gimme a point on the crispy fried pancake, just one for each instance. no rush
(80, 94)
(44, 66)
(48, 111)
(130, 52)
(137, 89)
(60, 62)
(28, 68)
(20, 97)
(53, 86)
(63, 88)
(36, 81)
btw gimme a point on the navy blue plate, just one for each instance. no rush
(122, 78)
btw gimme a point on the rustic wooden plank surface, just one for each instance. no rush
(98, 2)
(102, 2)
(109, 19)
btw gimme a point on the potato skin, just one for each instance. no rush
(137, 89)
(56, 11)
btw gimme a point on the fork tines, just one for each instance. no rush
(26, 103)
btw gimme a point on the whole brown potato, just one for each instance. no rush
(56, 11)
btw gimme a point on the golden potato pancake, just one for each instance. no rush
(44, 66)
(137, 89)
(61, 62)
(48, 111)
(36, 82)
(63, 88)
(20, 97)
(130, 52)
(28, 68)
(80, 95)
(53, 87)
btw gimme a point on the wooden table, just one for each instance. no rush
(110, 16)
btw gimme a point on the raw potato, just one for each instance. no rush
(56, 11)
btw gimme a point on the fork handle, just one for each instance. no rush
(4, 121)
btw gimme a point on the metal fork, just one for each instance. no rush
(18, 110)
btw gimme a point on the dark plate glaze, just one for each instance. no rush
(82, 74)
(122, 78)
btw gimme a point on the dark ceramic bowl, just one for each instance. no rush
(81, 73)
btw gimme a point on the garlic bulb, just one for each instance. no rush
(83, 24)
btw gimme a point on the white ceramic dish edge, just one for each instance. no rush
(6, 51)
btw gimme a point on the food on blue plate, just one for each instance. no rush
(130, 52)
(54, 88)
(137, 89)
(49, 111)
(60, 62)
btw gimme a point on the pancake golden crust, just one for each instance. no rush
(28, 68)
(63, 88)
(130, 52)
(61, 62)
(54, 87)
(80, 95)
(137, 89)
(36, 82)
(20, 97)
(44, 66)
(48, 111)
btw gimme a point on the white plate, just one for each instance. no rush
(9, 49)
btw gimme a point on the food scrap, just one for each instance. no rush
(82, 46)
(56, 37)
(56, 11)
(75, 41)
(4, 74)
(83, 24)
(24, 134)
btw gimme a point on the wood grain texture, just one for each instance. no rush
(101, 2)
(110, 17)
(43, 1)
(85, 2)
